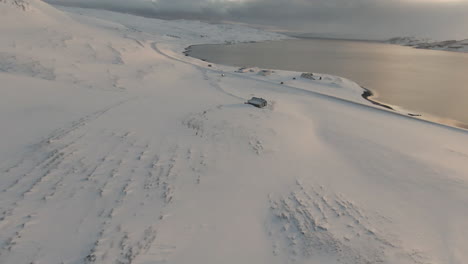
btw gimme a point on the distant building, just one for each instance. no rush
(308, 75)
(257, 102)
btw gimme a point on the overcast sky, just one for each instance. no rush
(438, 19)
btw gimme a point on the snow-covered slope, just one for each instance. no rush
(448, 45)
(117, 148)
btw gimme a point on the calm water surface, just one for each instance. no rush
(421, 81)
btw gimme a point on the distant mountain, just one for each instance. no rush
(449, 45)
(27, 14)
(422, 43)
(326, 36)
(21, 4)
(408, 41)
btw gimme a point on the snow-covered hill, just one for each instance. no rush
(117, 148)
(448, 45)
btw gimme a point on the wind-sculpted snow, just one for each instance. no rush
(314, 223)
(16, 64)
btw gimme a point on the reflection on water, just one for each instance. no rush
(422, 81)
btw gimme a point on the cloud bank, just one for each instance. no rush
(437, 19)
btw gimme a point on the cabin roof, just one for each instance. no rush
(258, 102)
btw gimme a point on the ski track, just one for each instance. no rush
(123, 176)
(216, 83)
(45, 176)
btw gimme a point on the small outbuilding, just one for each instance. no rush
(257, 102)
(265, 72)
(308, 75)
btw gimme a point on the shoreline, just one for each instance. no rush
(367, 94)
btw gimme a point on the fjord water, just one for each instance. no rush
(428, 82)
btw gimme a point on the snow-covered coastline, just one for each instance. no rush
(117, 148)
(421, 43)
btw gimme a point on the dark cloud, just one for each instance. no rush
(358, 18)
